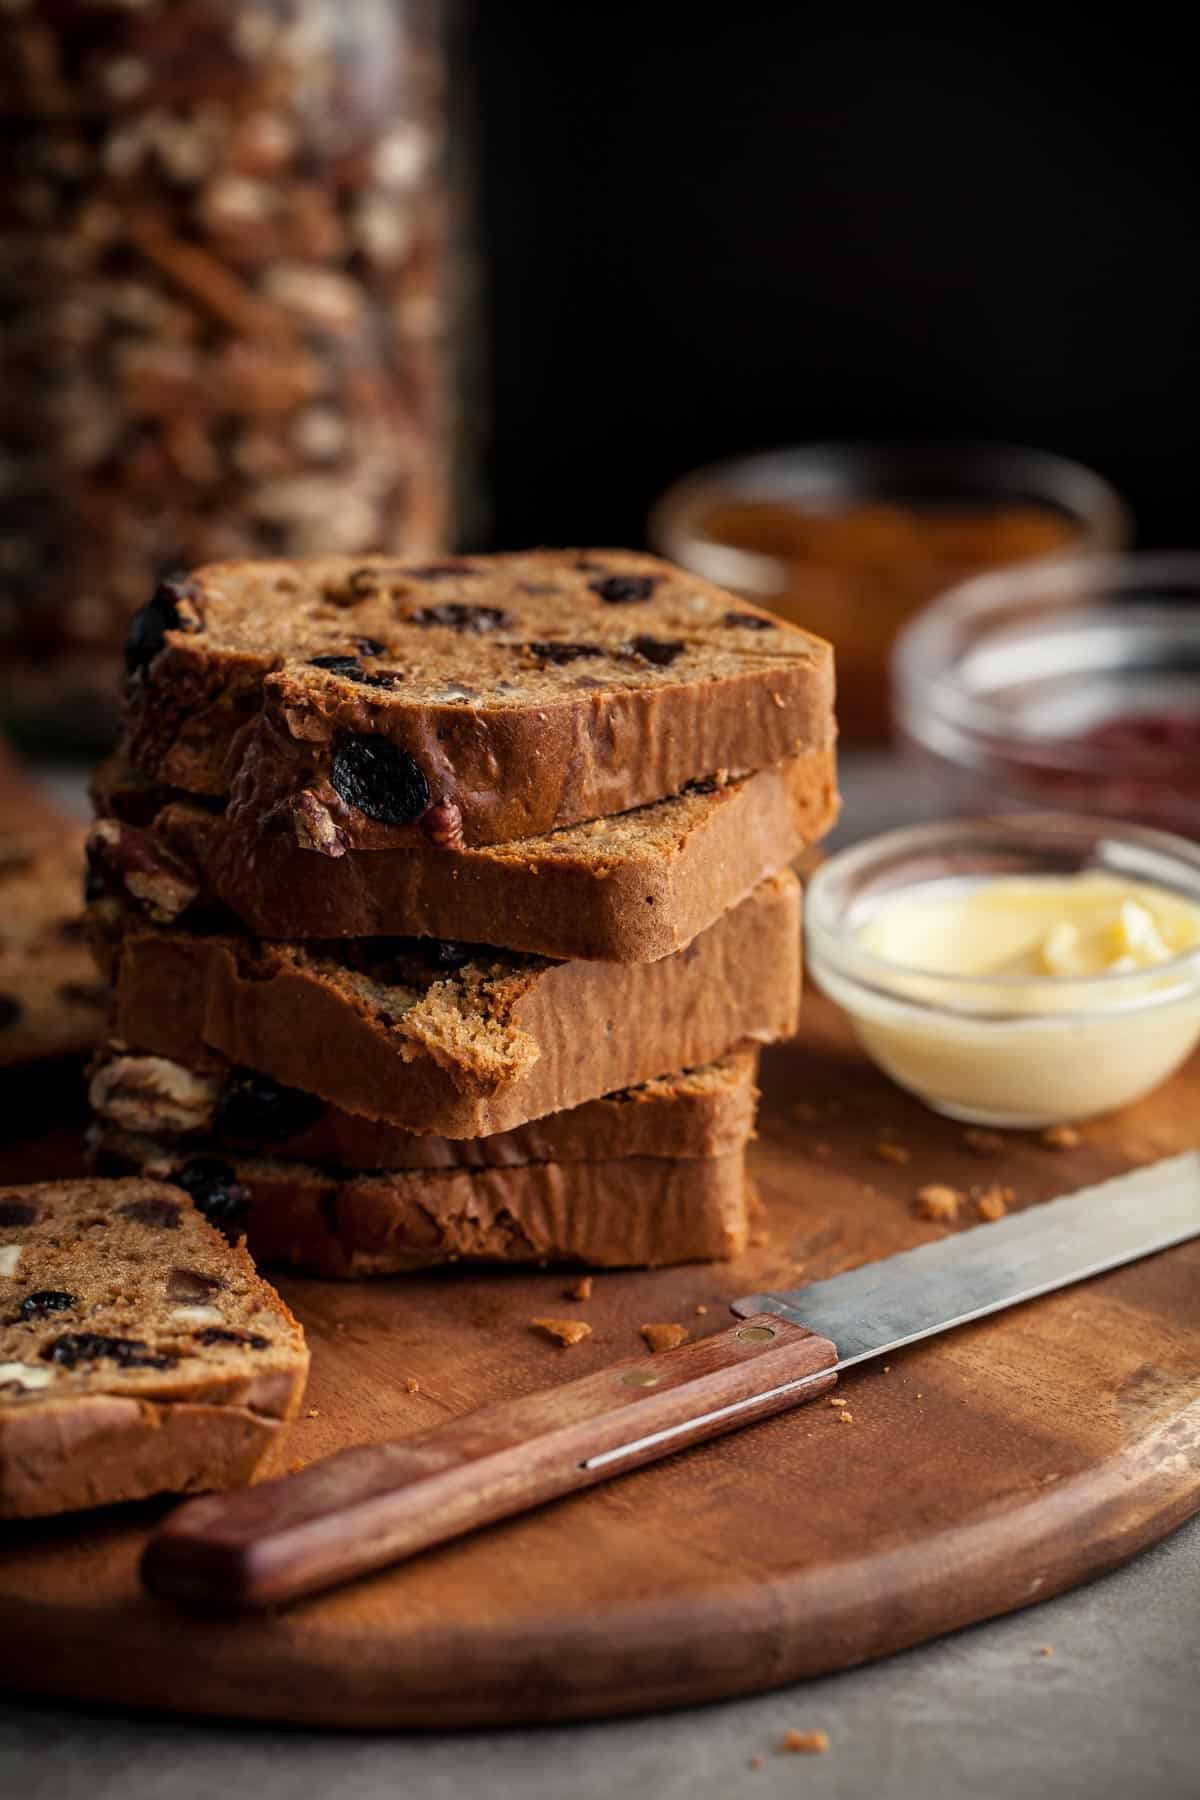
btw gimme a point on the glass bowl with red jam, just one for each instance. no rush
(1072, 685)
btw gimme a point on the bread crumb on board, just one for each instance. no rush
(984, 1143)
(701, 1310)
(892, 1152)
(664, 1337)
(581, 1289)
(313, 1413)
(846, 1416)
(1046, 1650)
(1061, 1137)
(564, 1331)
(411, 1385)
(936, 1201)
(994, 1202)
(804, 1743)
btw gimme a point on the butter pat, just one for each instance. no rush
(1028, 1000)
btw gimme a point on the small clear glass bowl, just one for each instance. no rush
(1073, 684)
(881, 512)
(1021, 1051)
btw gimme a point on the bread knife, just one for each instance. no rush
(366, 1508)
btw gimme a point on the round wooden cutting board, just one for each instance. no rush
(976, 1473)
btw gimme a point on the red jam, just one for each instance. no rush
(1170, 734)
(1148, 770)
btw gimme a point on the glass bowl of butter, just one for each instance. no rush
(1017, 971)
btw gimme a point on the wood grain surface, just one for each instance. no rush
(976, 1473)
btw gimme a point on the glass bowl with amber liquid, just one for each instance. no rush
(852, 540)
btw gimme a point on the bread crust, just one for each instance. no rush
(97, 1449)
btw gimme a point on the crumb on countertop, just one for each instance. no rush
(1061, 1137)
(411, 1385)
(805, 1743)
(565, 1331)
(701, 1310)
(994, 1202)
(892, 1152)
(984, 1143)
(664, 1337)
(1046, 1650)
(936, 1201)
(313, 1412)
(846, 1417)
(581, 1289)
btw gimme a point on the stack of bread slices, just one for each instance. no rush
(445, 907)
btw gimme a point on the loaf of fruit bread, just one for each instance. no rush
(479, 700)
(52, 1005)
(628, 1211)
(139, 1351)
(625, 889)
(448, 1038)
(701, 1112)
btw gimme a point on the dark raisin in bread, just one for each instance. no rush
(139, 1351)
(478, 700)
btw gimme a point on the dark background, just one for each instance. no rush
(713, 230)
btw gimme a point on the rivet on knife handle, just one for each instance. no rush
(366, 1508)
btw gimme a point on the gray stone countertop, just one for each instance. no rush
(1114, 1711)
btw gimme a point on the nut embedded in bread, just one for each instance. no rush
(139, 1351)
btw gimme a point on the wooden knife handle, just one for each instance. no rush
(365, 1508)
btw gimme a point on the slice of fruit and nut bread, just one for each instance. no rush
(629, 1211)
(372, 703)
(139, 1350)
(453, 1039)
(701, 1112)
(626, 889)
(51, 1002)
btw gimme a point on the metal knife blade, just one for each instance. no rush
(885, 1305)
(918, 1293)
